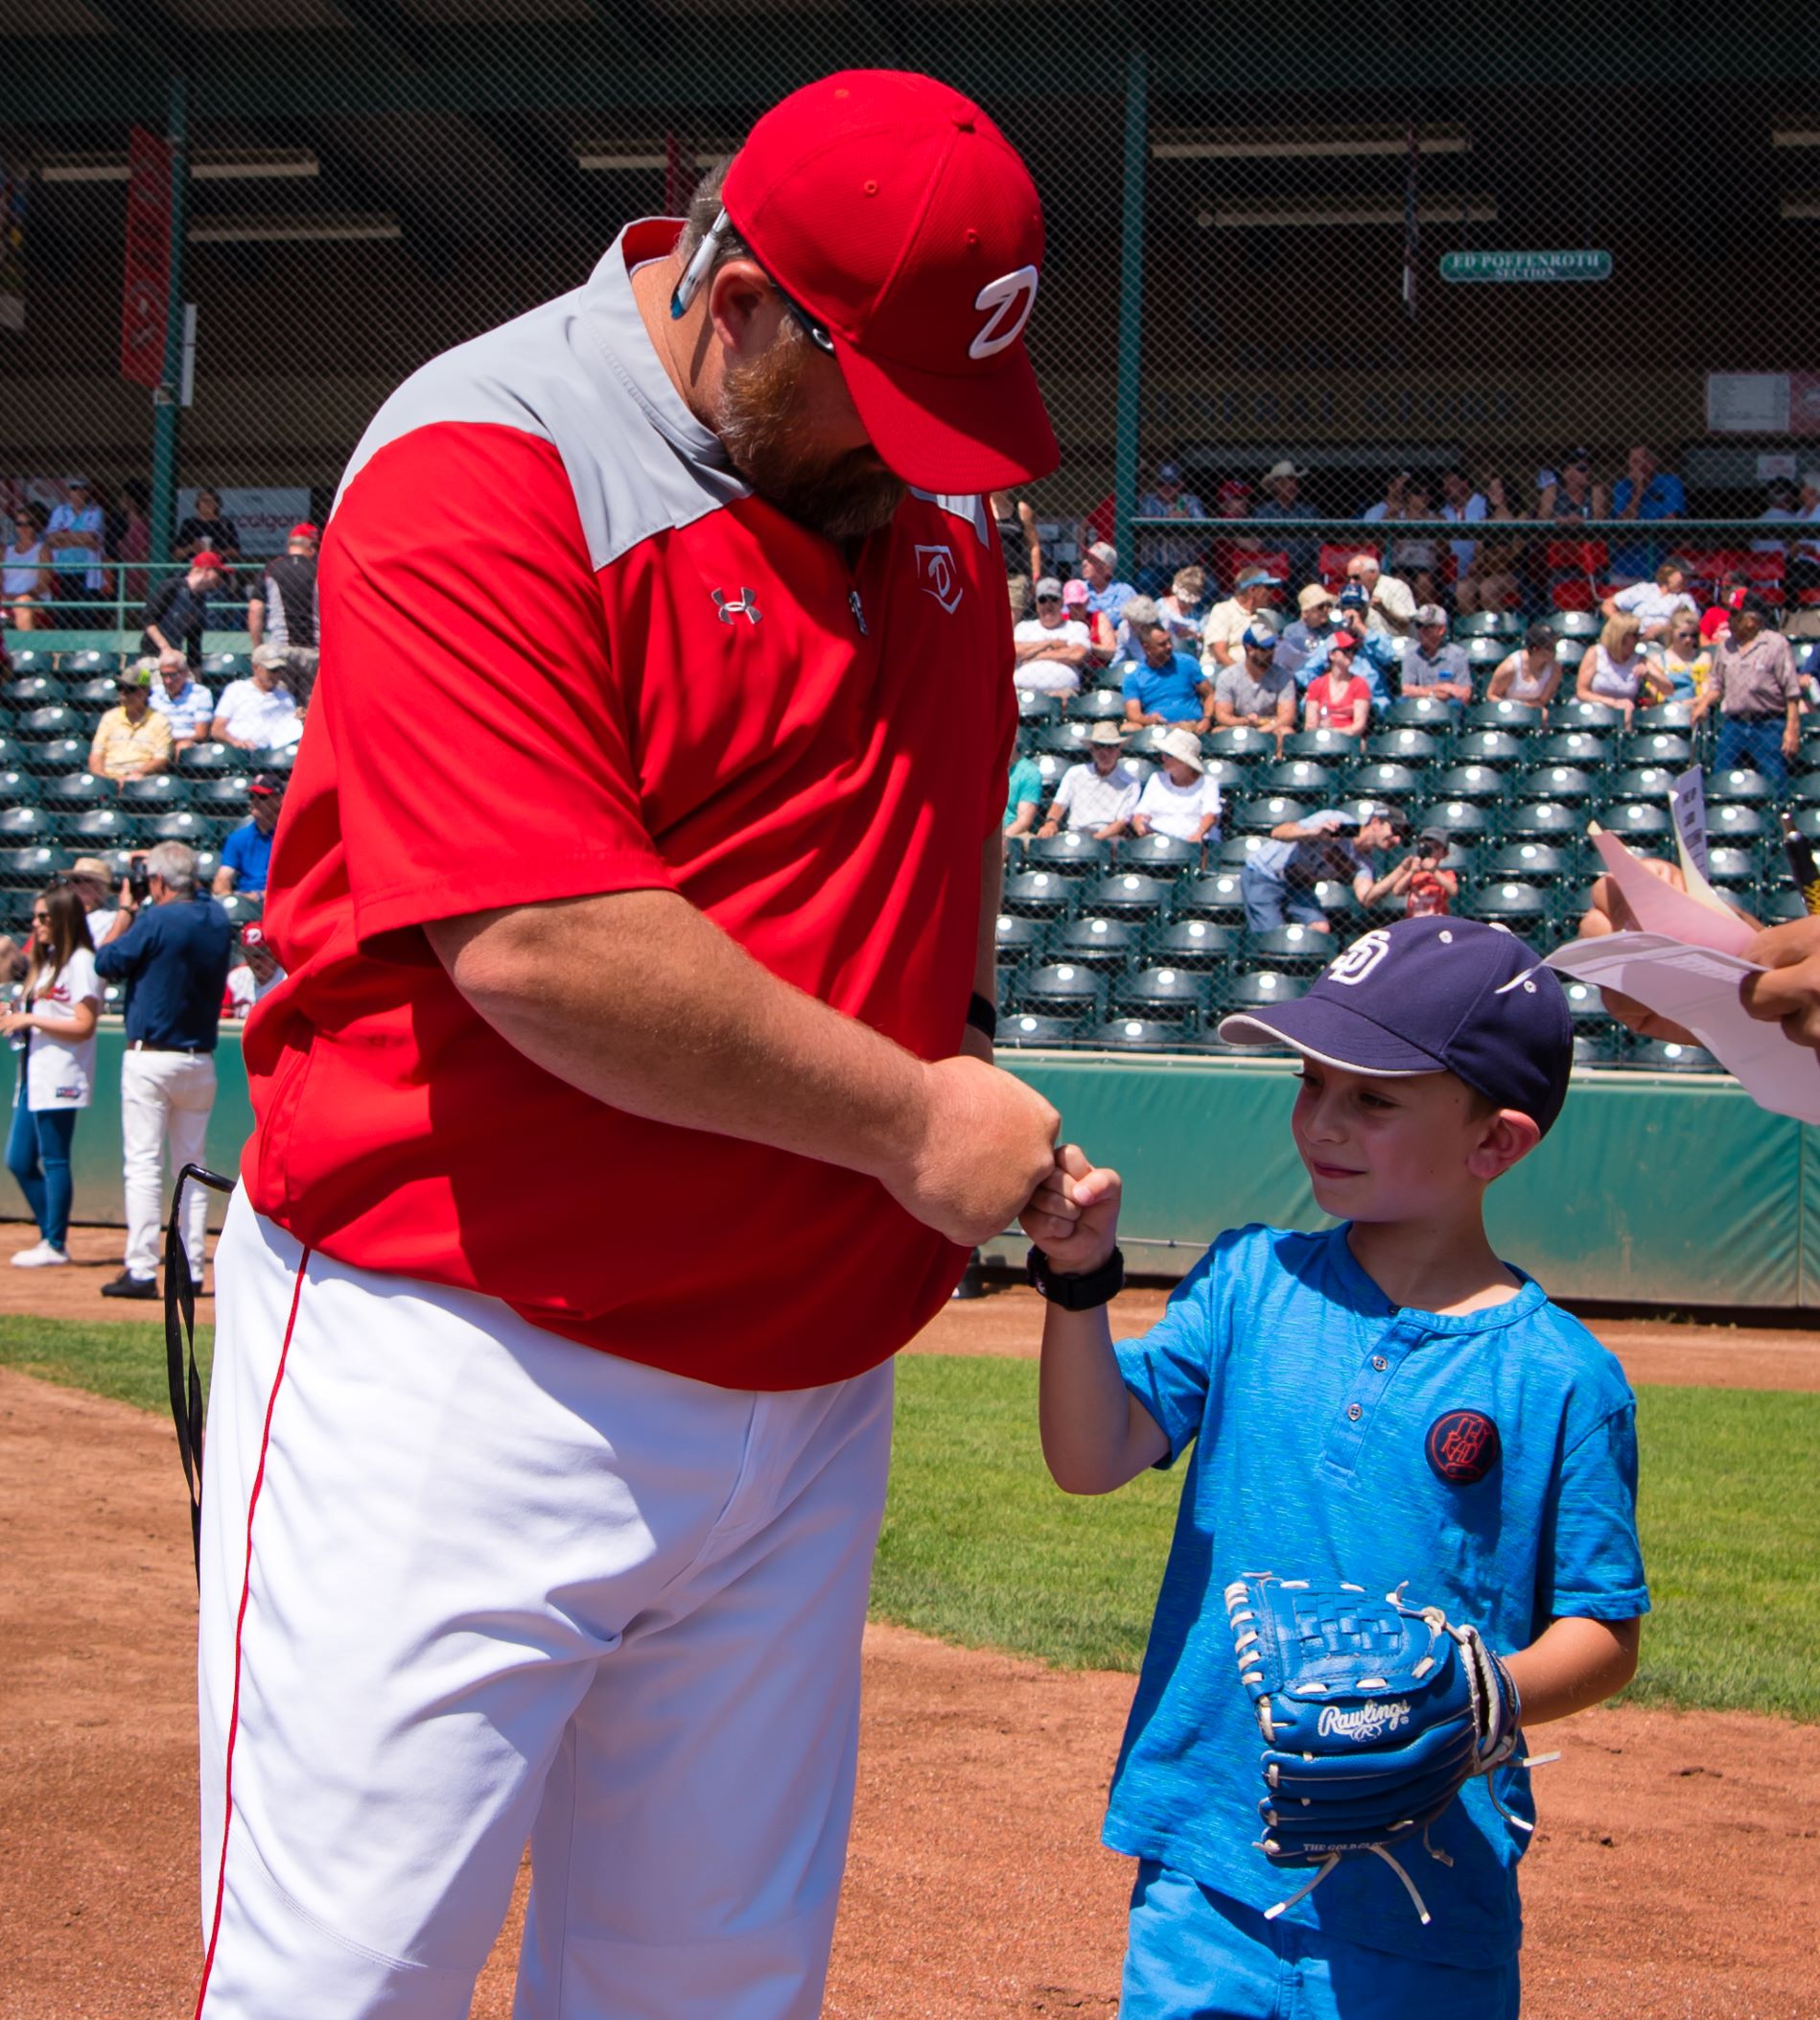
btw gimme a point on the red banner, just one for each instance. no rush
(146, 297)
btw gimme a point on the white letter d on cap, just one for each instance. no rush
(1010, 299)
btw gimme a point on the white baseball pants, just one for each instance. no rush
(465, 1583)
(164, 1093)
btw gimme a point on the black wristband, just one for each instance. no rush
(1081, 1290)
(982, 1015)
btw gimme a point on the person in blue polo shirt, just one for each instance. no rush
(1317, 1385)
(1166, 686)
(247, 853)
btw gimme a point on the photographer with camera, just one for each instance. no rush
(174, 959)
(1432, 887)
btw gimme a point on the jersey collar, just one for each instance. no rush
(1365, 1296)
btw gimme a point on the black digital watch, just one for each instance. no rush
(1079, 1290)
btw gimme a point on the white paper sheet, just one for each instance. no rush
(1697, 987)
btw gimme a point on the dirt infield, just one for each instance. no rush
(1677, 1873)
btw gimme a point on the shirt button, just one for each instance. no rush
(1379, 1362)
(1354, 1412)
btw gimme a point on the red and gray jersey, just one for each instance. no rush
(566, 651)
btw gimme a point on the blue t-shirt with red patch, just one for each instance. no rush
(1489, 1460)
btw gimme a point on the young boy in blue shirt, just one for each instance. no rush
(1381, 1402)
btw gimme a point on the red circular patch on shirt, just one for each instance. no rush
(1463, 1447)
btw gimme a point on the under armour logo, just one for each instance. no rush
(742, 606)
(1360, 958)
(936, 566)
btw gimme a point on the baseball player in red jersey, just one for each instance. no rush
(626, 1103)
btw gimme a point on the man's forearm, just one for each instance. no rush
(638, 999)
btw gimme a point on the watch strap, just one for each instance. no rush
(1079, 1290)
(982, 1015)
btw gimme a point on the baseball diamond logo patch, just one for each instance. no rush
(1463, 1447)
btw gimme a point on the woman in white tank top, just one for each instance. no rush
(1531, 674)
(1614, 672)
(25, 570)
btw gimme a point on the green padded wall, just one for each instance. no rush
(1651, 1189)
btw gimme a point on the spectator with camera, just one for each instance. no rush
(174, 959)
(1432, 886)
(247, 853)
(176, 611)
(1433, 667)
(53, 1030)
(1179, 799)
(131, 740)
(1278, 879)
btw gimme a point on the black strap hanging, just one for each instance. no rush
(179, 1349)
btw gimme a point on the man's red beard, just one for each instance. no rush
(843, 496)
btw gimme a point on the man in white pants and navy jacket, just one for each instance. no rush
(173, 960)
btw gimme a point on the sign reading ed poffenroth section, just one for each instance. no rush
(1526, 266)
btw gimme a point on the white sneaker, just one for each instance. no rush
(39, 1256)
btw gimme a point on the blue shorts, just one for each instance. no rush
(1196, 1954)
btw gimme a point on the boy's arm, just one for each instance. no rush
(1096, 1435)
(1572, 1663)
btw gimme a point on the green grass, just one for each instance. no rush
(980, 1549)
(122, 1359)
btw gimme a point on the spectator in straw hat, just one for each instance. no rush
(94, 883)
(1309, 635)
(1097, 798)
(1179, 798)
(1283, 482)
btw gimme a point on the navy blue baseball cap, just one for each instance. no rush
(1354, 598)
(1436, 995)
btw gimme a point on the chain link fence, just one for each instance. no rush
(1519, 304)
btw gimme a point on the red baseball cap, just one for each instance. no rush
(302, 530)
(206, 557)
(893, 210)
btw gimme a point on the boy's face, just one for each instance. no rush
(1406, 1149)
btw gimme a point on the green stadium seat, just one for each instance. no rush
(1737, 868)
(1575, 624)
(1127, 895)
(1566, 783)
(219, 668)
(1200, 944)
(223, 797)
(1137, 1034)
(29, 868)
(1529, 863)
(1229, 774)
(1675, 715)
(1478, 782)
(61, 754)
(91, 663)
(162, 791)
(1593, 716)
(1392, 782)
(32, 691)
(1779, 905)
(1061, 989)
(1107, 946)
(1322, 746)
(1485, 655)
(1153, 854)
(243, 907)
(1514, 715)
(1489, 623)
(1569, 748)
(1301, 778)
(1019, 941)
(1237, 850)
(32, 659)
(1240, 744)
(1503, 748)
(95, 827)
(1462, 821)
(77, 789)
(1171, 995)
(1096, 705)
(1670, 748)
(1404, 746)
(1523, 907)
(1807, 820)
(1259, 816)
(1750, 787)
(1569, 652)
(1060, 739)
(1039, 894)
(40, 725)
(1585, 1005)
(1639, 782)
(93, 694)
(1147, 742)
(1032, 707)
(1291, 950)
(1421, 712)
(1804, 789)
(177, 825)
(1732, 821)
(1216, 895)
(1030, 1031)
(1598, 1048)
(16, 789)
(1542, 820)
(23, 823)
(1069, 854)
(1262, 988)
(1646, 821)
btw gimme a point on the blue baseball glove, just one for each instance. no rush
(1375, 1714)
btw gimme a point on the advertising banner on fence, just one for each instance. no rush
(262, 517)
(147, 286)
